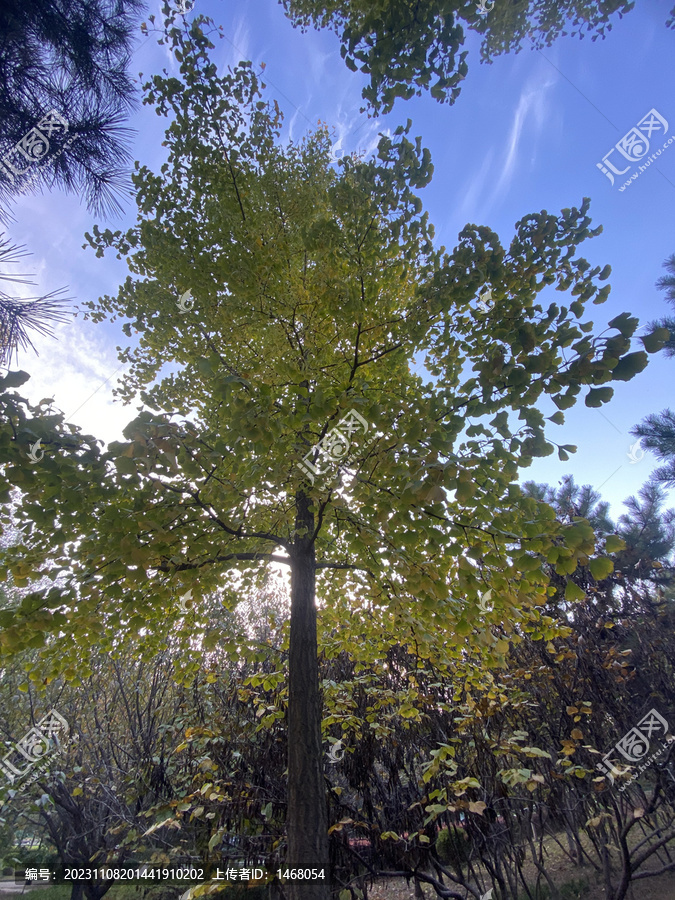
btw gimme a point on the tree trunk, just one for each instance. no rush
(96, 891)
(307, 819)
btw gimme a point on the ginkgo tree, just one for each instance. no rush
(318, 306)
(406, 48)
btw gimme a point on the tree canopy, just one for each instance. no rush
(407, 48)
(283, 255)
(277, 298)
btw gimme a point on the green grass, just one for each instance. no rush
(577, 889)
(155, 892)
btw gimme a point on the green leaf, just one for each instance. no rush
(564, 401)
(211, 640)
(573, 592)
(14, 380)
(630, 365)
(655, 340)
(597, 396)
(600, 567)
(216, 838)
(535, 751)
(625, 323)
(613, 543)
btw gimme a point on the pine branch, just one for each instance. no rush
(18, 318)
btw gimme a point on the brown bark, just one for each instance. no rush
(307, 821)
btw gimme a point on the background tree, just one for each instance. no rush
(570, 500)
(406, 48)
(667, 283)
(613, 666)
(92, 800)
(161, 771)
(314, 292)
(71, 56)
(658, 429)
(425, 745)
(505, 760)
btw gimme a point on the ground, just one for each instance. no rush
(662, 888)
(576, 883)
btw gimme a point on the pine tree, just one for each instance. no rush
(667, 283)
(648, 530)
(571, 500)
(658, 429)
(19, 317)
(70, 57)
(64, 92)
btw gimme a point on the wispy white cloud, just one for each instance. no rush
(318, 68)
(293, 135)
(349, 134)
(238, 40)
(505, 160)
(474, 190)
(532, 110)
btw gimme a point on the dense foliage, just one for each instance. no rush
(428, 689)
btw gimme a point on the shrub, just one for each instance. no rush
(453, 846)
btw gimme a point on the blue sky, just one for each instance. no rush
(525, 135)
